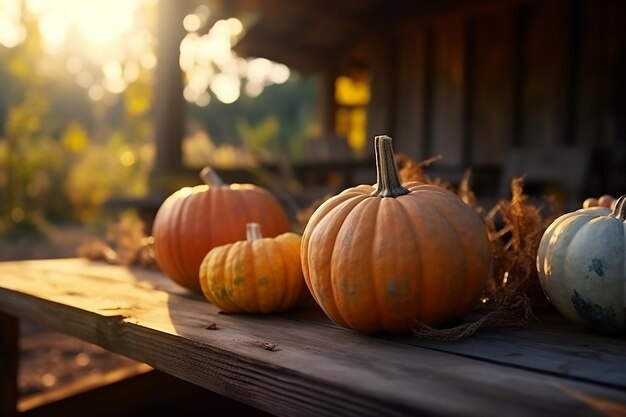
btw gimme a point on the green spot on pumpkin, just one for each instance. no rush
(595, 315)
(597, 266)
(348, 287)
(263, 281)
(238, 280)
(395, 288)
(219, 292)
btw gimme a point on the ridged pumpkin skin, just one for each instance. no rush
(259, 276)
(581, 262)
(379, 263)
(194, 220)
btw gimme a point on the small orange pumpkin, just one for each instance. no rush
(377, 258)
(194, 220)
(256, 275)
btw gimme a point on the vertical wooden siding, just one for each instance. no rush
(546, 71)
(533, 74)
(491, 123)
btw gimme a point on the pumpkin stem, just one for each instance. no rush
(210, 177)
(619, 211)
(253, 232)
(387, 177)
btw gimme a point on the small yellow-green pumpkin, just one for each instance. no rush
(257, 275)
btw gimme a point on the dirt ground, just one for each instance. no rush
(48, 359)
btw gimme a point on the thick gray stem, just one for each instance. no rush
(387, 178)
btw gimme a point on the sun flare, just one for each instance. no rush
(104, 45)
(108, 45)
(96, 23)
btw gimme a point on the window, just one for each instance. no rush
(352, 96)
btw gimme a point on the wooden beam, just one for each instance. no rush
(52, 397)
(299, 34)
(467, 111)
(9, 359)
(259, 43)
(429, 92)
(169, 105)
(382, 54)
(324, 13)
(519, 63)
(545, 77)
(448, 85)
(410, 88)
(492, 89)
(573, 73)
(411, 13)
(138, 391)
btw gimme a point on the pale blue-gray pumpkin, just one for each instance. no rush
(582, 266)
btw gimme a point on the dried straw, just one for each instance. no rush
(512, 292)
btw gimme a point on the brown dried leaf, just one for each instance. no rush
(124, 244)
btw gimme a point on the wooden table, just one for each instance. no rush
(302, 364)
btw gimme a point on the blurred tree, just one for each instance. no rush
(63, 149)
(32, 159)
(78, 105)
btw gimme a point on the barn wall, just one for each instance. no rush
(541, 74)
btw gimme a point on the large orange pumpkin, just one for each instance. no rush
(194, 220)
(377, 258)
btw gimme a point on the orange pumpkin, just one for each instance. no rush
(377, 258)
(256, 275)
(194, 220)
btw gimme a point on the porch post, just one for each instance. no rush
(9, 359)
(169, 106)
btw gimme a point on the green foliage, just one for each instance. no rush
(98, 175)
(61, 155)
(279, 121)
(260, 138)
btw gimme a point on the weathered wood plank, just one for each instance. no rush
(9, 357)
(281, 365)
(131, 394)
(91, 383)
(563, 350)
(552, 345)
(573, 342)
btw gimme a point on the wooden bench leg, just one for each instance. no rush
(9, 358)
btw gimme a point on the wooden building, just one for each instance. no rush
(505, 87)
